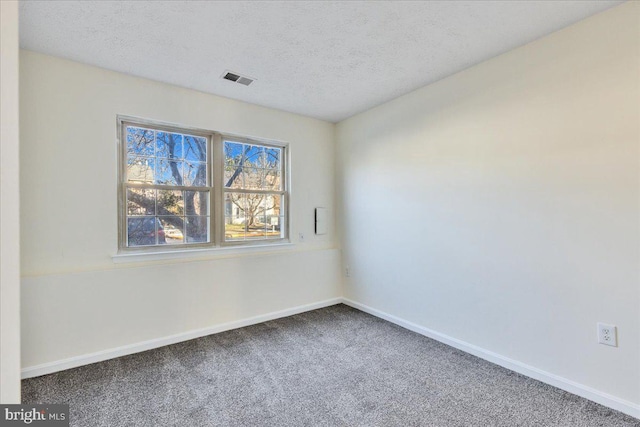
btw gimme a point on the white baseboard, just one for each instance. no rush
(581, 390)
(605, 399)
(86, 359)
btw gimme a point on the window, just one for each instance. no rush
(182, 188)
(253, 192)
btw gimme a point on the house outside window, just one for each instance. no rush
(191, 188)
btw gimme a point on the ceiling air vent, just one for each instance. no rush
(235, 77)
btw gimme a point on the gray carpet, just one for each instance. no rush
(331, 367)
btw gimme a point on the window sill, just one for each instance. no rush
(199, 254)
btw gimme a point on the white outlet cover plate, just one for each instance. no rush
(607, 334)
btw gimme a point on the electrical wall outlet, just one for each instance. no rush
(607, 334)
(347, 271)
(301, 237)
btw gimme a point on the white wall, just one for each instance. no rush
(500, 206)
(9, 206)
(75, 299)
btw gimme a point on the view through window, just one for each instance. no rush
(254, 191)
(174, 193)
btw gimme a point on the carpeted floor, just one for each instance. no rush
(331, 367)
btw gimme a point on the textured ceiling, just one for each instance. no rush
(328, 60)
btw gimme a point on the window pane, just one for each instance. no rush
(274, 216)
(254, 156)
(141, 201)
(197, 229)
(253, 178)
(170, 202)
(140, 141)
(171, 230)
(195, 174)
(195, 148)
(254, 209)
(169, 145)
(275, 227)
(196, 203)
(272, 158)
(233, 153)
(252, 216)
(233, 176)
(272, 180)
(168, 172)
(274, 205)
(255, 219)
(144, 231)
(237, 203)
(252, 167)
(140, 170)
(234, 228)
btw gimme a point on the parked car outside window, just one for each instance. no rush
(145, 231)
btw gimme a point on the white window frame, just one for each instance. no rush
(215, 171)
